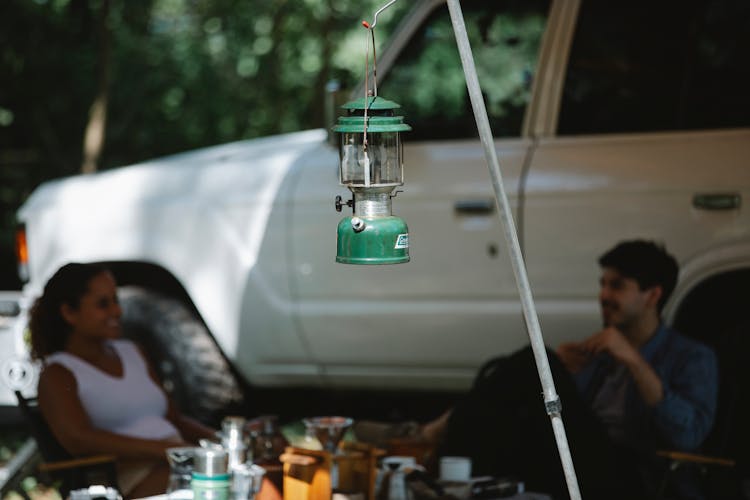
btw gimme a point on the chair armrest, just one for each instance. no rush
(695, 458)
(76, 463)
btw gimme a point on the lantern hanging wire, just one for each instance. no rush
(374, 93)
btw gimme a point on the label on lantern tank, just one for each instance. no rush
(402, 241)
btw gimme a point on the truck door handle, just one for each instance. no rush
(474, 207)
(717, 201)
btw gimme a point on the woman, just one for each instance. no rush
(97, 391)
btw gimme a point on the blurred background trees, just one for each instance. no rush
(95, 84)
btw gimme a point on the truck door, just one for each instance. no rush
(651, 141)
(430, 322)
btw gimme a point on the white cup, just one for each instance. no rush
(455, 468)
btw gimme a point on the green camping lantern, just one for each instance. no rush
(371, 166)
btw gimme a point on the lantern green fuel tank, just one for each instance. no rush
(372, 240)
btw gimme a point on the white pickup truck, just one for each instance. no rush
(609, 125)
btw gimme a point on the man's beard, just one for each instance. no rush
(608, 310)
(612, 316)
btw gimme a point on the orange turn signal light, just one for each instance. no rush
(22, 253)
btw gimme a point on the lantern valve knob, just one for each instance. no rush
(339, 203)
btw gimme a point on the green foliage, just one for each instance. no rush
(505, 39)
(184, 73)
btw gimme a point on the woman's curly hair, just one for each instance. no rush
(49, 330)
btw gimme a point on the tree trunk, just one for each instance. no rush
(93, 139)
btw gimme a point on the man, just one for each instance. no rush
(648, 385)
(637, 386)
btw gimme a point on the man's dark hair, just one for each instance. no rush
(647, 263)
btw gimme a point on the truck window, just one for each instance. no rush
(428, 80)
(639, 66)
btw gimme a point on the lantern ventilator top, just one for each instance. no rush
(381, 117)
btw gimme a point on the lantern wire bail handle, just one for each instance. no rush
(371, 29)
(375, 17)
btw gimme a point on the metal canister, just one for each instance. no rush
(233, 440)
(247, 480)
(233, 428)
(210, 474)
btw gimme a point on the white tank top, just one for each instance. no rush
(131, 405)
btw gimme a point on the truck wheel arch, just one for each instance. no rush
(714, 305)
(159, 315)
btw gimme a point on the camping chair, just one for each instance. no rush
(60, 467)
(722, 464)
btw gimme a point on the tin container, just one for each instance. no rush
(210, 474)
(233, 440)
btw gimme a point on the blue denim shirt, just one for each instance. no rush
(689, 374)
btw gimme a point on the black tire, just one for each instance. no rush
(188, 361)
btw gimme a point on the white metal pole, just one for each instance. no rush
(551, 399)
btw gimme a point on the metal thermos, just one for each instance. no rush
(210, 474)
(233, 440)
